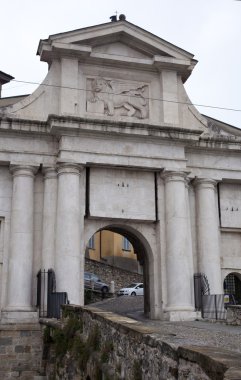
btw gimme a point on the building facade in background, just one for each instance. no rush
(110, 141)
(113, 249)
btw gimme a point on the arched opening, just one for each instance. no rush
(130, 254)
(232, 286)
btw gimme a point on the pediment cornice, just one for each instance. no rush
(219, 130)
(142, 48)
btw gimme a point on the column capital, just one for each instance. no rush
(187, 182)
(175, 175)
(69, 168)
(23, 170)
(205, 183)
(49, 172)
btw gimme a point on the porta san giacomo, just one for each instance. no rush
(110, 140)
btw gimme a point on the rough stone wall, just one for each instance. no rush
(111, 347)
(108, 273)
(20, 352)
(234, 315)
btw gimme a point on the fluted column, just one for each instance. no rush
(177, 243)
(49, 217)
(21, 240)
(208, 236)
(67, 256)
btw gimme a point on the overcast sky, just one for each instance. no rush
(209, 29)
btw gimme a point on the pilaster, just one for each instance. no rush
(69, 86)
(49, 217)
(170, 96)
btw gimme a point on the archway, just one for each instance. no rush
(232, 286)
(141, 249)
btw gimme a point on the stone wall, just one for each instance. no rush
(109, 273)
(95, 345)
(234, 315)
(21, 352)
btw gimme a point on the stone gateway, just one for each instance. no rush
(110, 140)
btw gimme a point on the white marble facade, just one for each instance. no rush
(110, 140)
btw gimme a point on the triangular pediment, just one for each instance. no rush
(116, 40)
(127, 39)
(120, 48)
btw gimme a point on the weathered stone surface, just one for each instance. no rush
(128, 348)
(213, 361)
(234, 315)
(6, 341)
(20, 351)
(232, 374)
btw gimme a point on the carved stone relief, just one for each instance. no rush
(216, 131)
(117, 98)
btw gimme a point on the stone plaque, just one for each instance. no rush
(117, 98)
(230, 205)
(122, 194)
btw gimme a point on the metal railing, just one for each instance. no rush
(201, 288)
(213, 307)
(48, 300)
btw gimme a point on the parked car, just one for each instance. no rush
(134, 289)
(92, 281)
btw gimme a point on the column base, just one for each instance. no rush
(182, 315)
(18, 316)
(156, 314)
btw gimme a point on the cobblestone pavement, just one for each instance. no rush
(199, 332)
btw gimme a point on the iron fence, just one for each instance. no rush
(201, 288)
(48, 300)
(212, 306)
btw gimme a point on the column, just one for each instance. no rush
(177, 243)
(189, 248)
(49, 217)
(21, 240)
(67, 256)
(208, 236)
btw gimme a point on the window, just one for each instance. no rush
(91, 243)
(126, 245)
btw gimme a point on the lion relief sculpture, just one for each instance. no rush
(107, 96)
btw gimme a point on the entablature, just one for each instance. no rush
(61, 125)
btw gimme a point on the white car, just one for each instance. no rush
(134, 289)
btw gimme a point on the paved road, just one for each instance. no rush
(203, 333)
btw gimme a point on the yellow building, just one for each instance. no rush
(114, 249)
